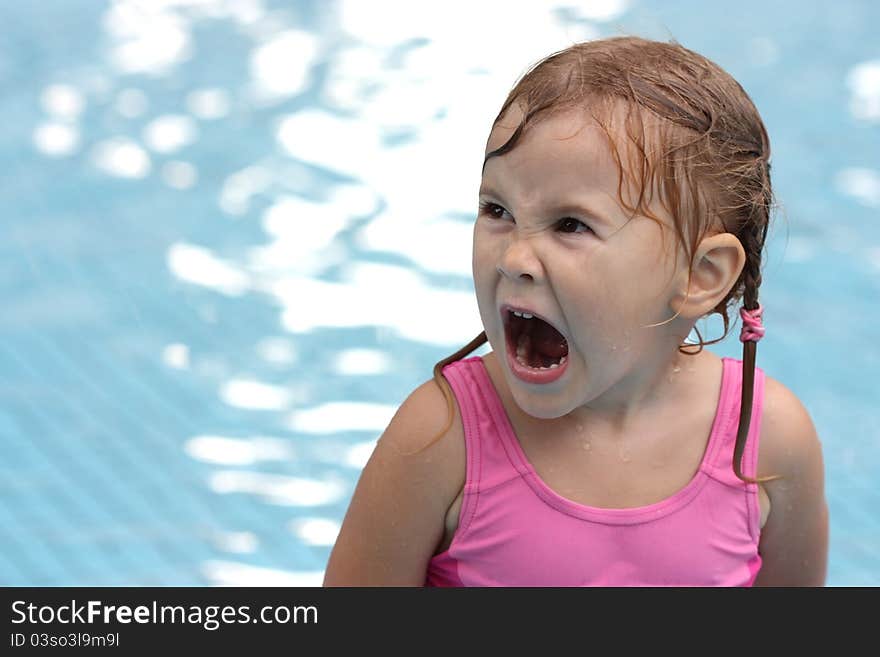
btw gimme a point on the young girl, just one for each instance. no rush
(625, 195)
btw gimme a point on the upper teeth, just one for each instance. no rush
(523, 315)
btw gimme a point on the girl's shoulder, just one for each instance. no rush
(794, 540)
(398, 510)
(789, 441)
(426, 439)
(427, 424)
(789, 444)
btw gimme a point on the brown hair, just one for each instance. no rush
(707, 158)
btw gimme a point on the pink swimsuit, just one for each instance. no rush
(514, 530)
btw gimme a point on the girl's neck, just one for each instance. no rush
(682, 378)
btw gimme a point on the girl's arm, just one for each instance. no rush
(396, 516)
(794, 541)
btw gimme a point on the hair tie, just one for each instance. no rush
(752, 328)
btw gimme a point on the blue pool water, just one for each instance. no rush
(236, 233)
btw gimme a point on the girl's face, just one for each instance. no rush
(552, 240)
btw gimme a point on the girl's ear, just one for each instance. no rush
(719, 260)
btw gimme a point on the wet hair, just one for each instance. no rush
(690, 136)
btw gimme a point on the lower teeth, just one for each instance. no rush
(521, 353)
(519, 359)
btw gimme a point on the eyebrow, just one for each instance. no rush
(573, 208)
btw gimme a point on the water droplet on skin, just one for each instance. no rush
(624, 453)
(676, 369)
(614, 347)
(587, 446)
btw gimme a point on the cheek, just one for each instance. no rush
(484, 277)
(483, 258)
(594, 309)
(478, 247)
(481, 272)
(604, 301)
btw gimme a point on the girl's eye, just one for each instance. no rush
(491, 209)
(572, 225)
(566, 225)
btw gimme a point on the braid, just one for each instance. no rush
(752, 238)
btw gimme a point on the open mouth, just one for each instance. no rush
(533, 342)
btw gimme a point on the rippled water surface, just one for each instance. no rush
(236, 234)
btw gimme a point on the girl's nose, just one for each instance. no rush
(519, 261)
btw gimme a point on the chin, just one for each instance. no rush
(533, 404)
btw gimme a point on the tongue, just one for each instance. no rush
(546, 340)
